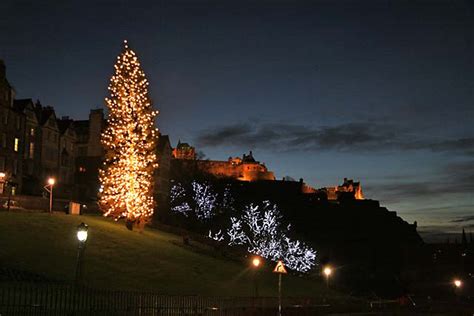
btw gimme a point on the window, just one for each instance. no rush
(16, 144)
(31, 151)
(13, 190)
(82, 151)
(18, 123)
(5, 117)
(4, 140)
(82, 169)
(15, 166)
(32, 131)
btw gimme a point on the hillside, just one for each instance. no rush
(116, 258)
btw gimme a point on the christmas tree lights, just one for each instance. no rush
(129, 140)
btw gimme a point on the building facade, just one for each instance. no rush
(11, 141)
(90, 154)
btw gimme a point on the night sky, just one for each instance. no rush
(378, 91)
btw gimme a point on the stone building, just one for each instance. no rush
(90, 154)
(31, 162)
(242, 169)
(67, 154)
(11, 137)
(48, 140)
(184, 151)
(348, 187)
(162, 175)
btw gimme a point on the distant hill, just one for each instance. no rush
(373, 244)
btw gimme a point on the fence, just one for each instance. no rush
(64, 299)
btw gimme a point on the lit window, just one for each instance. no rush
(32, 131)
(16, 144)
(31, 152)
(82, 169)
(14, 190)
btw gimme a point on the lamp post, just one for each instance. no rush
(327, 273)
(280, 269)
(82, 239)
(458, 284)
(256, 262)
(49, 189)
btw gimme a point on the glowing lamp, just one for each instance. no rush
(2, 175)
(457, 283)
(327, 271)
(82, 232)
(256, 262)
(51, 181)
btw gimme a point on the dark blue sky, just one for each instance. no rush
(379, 91)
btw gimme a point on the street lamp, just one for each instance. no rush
(256, 263)
(82, 232)
(49, 189)
(82, 238)
(457, 283)
(327, 273)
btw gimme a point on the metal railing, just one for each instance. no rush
(64, 299)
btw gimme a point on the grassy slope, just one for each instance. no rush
(120, 259)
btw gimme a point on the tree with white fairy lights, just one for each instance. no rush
(129, 141)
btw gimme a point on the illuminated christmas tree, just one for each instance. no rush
(129, 141)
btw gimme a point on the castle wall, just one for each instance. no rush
(220, 168)
(243, 172)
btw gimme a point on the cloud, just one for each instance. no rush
(452, 178)
(368, 136)
(463, 219)
(462, 144)
(440, 234)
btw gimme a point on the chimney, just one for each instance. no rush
(96, 125)
(3, 70)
